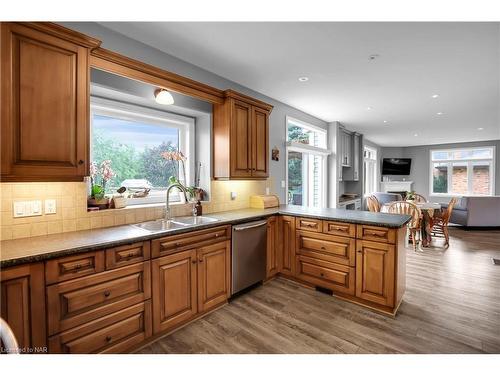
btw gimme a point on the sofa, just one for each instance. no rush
(476, 211)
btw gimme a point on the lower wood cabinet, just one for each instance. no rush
(273, 254)
(113, 333)
(375, 272)
(188, 283)
(287, 244)
(23, 304)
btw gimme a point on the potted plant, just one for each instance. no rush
(410, 196)
(99, 176)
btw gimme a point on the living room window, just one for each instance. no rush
(306, 155)
(133, 138)
(370, 170)
(465, 171)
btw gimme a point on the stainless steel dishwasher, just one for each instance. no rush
(249, 242)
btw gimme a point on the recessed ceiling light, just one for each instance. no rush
(303, 79)
(373, 57)
(439, 113)
(368, 108)
(480, 128)
(415, 135)
(435, 96)
(385, 121)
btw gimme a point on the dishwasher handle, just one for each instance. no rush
(239, 228)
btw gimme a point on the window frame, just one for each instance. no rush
(469, 162)
(375, 169)
(136, 113)
(303, 148)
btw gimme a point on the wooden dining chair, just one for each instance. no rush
(408, 208)
(418, 198)
(373, 204)
(439, 226)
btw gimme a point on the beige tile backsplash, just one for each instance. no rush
(72, 215)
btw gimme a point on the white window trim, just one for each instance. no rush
(449, 162)
(131, 112)
(375, 163)
(313, 150)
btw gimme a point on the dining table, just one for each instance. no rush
(428, 211)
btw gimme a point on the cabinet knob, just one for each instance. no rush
(323, 248)
(107, 293)
(322, 274)
(80, 162)
(108, 338)
(201, 260)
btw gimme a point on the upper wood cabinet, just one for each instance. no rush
(44, 89)
(241, 138)
(23, 304)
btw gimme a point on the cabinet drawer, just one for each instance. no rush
(114, 333)
(378, 234)
(336, 277)
(186, 241)
(74, 266)
(334, 249)
(127, 254)
(339, 229)
(75, 302)
(313, 225)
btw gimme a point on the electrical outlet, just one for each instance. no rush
(50, 206)
(233, 195)
(267, 191)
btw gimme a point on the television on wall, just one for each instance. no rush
(396, 166)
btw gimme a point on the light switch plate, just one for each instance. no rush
(50, 206)
(27, 208)
(233, 195)
(283, 184)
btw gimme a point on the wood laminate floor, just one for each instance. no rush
(451, 305)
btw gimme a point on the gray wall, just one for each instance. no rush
(139, 51)
(420, 156)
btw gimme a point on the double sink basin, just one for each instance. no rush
(175, 223)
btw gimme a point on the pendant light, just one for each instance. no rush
(163, 96)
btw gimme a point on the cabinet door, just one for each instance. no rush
(174, 289)
(260, 143)
(23, 304)
(273, 261)
(241, 144)
(45, 106)
(287, 244)
(214, 275)
(375, 272)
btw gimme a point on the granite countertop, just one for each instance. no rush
(33, 249)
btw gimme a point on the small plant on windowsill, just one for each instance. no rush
(104, 173)
(178, 160)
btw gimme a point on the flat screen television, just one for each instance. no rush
(396, 166)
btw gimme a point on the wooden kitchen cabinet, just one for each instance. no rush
(23, 304)
(189, 282)
(214, 275)
(174, 289)
(375, 272)
(241, 138)
(45, 99)
(273, 254)
(287, 244)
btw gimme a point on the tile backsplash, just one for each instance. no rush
(71, 202)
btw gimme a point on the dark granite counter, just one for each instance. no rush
(33, 249)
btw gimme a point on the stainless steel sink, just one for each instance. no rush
(194, 220)
(159, 225)
(175, 223)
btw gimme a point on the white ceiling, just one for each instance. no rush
(458, 61)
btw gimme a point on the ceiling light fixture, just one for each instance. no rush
(373, 57)
(439, 113)
(415, 135)
(480, 128)
(435, 96)
(368, 108)
(303, 79)
(385, 121)
(164, 97)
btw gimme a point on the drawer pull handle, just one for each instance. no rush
(376, 234)
(107, 293)
(340, 229)
(322, 274)
(323, 248)
(108, 338)
(178, 244)
(201, 261)
(130, 255)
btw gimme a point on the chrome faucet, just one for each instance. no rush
(167, 206)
